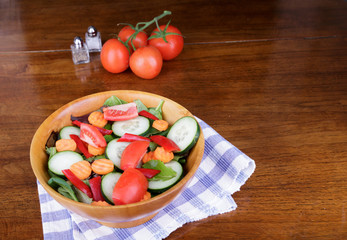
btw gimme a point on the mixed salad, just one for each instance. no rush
(122, 153)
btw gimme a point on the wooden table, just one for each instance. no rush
(270, 76)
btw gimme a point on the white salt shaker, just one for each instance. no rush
(93, 39)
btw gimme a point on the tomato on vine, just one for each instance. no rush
(143, 54)
(168, 40)
(146, 62)
(127, 35)
(114, 56)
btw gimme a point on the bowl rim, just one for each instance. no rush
(184, 181)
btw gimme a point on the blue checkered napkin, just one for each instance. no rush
(223, 170)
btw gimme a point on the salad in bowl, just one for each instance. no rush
(126, 151)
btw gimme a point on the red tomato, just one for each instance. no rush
(174, 44)
(114, 56)
(92, 135)
(121, 112)
(133, 154)
(130, 188)
(139, 41)
(146, 62)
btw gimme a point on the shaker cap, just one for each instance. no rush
(92, 31)
(78, 42)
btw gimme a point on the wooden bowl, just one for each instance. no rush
(115, 216)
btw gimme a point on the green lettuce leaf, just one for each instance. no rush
(166, 173)
(113, 100)
(140, 106)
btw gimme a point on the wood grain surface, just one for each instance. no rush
(269, 76)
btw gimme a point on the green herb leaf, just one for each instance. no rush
(64, 192)
(51, 151)
(109, 138)
(155, 113)
(51, 174)
(55, 182)
(93, 158)
(166, 173)
(152, 146)
(180, 159)
(81, 196)
(140, 106)
(112, 101)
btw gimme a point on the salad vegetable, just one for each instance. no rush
(81, 146)
(95, 186)
(77, 182)
(128, 137)
(119, 154)
(147, 115)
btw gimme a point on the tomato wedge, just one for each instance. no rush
(133, 154)
(130, 188)
(121, 112)
(102, 130)
(92, 136)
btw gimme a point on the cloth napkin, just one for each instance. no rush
(223, 170)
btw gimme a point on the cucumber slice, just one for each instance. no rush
(114, 151)
(63, 160)
(66, 131)
(108, 182)
(185, 133)
(139, 126)
(159, 186)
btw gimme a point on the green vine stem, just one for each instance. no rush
(145, 25)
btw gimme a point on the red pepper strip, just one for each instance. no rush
(128, 137)
(80, 145)
(165, 142)
(146, 114)
(77, 123)
(148, 172)
(78, 183)
(95, 185)
(103, 131)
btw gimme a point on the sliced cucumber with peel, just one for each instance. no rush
(159, 186)
(108, 182)
(114, 151)
(63, 160)
(66, 131)
(185, 133)
(139, 126)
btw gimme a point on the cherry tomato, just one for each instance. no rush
(133, 154)
(121, 112)
(92, 135)
(114, 56)
(139, 41)
(174, 44)
(130, 188)
(146, 62)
